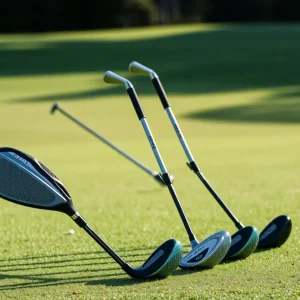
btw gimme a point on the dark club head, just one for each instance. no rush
(54, 107)
(276, 232)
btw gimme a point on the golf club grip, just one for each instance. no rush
(135, 102)
(161, 92)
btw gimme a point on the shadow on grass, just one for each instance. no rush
(285, 111)
(43, 281)
(57, 264)
(38, 274)
(128, 281)
(225, 59)
(79, 253)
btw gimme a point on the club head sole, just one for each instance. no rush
(276, 232)
(208, 253)
(244, 243)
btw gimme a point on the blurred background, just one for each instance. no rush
(55, 15)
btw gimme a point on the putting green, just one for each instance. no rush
(236, 94)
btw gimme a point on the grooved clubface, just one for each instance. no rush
(208, 253)
(244, 243)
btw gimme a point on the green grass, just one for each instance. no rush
(236, 93)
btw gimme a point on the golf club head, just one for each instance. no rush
(276, 232)
(54, 107)
(161, 263)
(139, 69)
(244, 243)
(113, 78)
(26, 181)
(208, 253)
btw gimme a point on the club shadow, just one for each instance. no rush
(47, 282)
(259, 250)
(128, 281)
(25, 267)
(233, 260)
(26, 264)
(119, 250)
(64, 272)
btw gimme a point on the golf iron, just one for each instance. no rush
(212, 250)
(26, 181)
(55, 107)
(274, 234)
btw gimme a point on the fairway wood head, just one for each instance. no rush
(208, 253)
(244, 243)
(26, 181)
(161, 263)
(276, 232)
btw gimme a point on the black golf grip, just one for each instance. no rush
(135, 102)
(161, 92)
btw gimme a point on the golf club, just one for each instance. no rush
(212, 250)
(274, 234)
(26, 181)
(154, 174)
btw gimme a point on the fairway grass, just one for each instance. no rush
(239, 108)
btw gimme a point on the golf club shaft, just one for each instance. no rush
(192, 164)
(105, 141)
(82, 223)
(135, 102)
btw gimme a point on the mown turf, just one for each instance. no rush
(236, 93)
